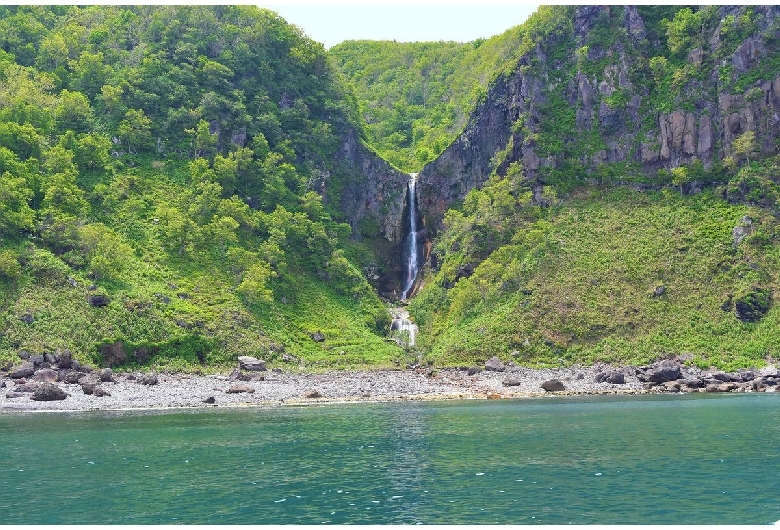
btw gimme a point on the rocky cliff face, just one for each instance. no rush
(591, 102)
(374, 200)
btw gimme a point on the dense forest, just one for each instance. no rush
(163, 174)
(183, 185)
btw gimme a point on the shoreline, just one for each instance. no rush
(127, 392)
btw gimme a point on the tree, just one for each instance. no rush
(744, 144)
(106, 252)
(15, 211)
(73, 113)
(254, 285)
(680, 177)
(92, 152)
(136, 130)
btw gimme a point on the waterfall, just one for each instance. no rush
(410, 250)
(403, 330)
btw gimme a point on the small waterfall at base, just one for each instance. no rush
(410, 249)
(402, 329)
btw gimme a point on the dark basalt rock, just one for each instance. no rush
(106, 375)
(27, 318)
(662, 372)
(553, 385)
(23, 355)
(210, 400)
(148, 379)
(251, 364)
(88, 387)
(26, 388)
(64, 359)
(752, 306)
(46, 375)
(615, 378)
(312, 394)
(49, 392)
(71, 376)
(494, 364)
(37, 360)
(99, 391)
(98, 300)
(318, 336)
(474, 370)
(26, 369)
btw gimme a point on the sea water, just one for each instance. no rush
(695, 459)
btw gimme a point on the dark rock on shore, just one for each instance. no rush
(613, 378)
(46, 375)
(26, 369)
(99, 391)
(113, 354)
(49, 392)
(210, 400)
(553, 385)
(148, 379)
(71, 376)
(106, 375)
(494, 364)
(661, 372)
(251, 364)
(26, 388)
(312, 394)
(64, 359)
(474, 370)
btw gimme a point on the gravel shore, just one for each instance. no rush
(279, 388)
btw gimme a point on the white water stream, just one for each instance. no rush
(411, 267)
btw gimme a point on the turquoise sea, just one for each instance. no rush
(695, 459)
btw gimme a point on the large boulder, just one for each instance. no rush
(46, 375)
(553, 385)
(26, 369)
(48, 392)
(64, 359)
(664, 371)
(148, 379)
(71, 376)
(99, 391)
(494, 364)
(251, 364)
(106, 375)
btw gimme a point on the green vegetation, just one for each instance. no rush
(416, 97)
(161, 159)
(609, 275)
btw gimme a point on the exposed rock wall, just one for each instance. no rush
(374, 193)
(699, 121)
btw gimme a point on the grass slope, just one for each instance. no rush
(579, 284)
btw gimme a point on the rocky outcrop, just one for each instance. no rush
(48, 392)
(553, 385)
(251, 364)
(611, 120)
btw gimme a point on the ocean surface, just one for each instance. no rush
(694, 459)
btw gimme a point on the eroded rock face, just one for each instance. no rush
(703, 126)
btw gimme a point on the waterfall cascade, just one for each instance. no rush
(403, 329)
(411, 250)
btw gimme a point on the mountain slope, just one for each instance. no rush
(182, 185)
(614, 196)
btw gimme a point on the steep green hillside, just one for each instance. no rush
(608, 275)
(416, 97)
(162, 173)
(614, 197)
